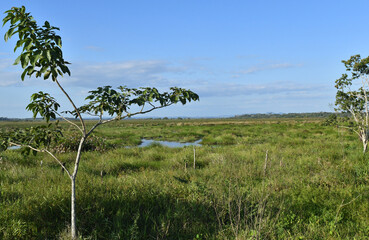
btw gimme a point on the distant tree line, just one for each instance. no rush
(5, 119)
(286, 115)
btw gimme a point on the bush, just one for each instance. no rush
(71, 142)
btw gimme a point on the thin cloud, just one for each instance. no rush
(130, 73)
(133, 73)
(265, 67)
(8, 79)
(8, 73)
(236, 89)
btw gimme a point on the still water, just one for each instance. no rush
(147, 142)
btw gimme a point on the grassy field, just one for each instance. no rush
(254, 179)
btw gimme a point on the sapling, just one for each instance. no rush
(41, 56)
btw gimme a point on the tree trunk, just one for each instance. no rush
(73, 212)
(365, 146)
(73, 194)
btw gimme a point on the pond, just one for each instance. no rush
(147, 142)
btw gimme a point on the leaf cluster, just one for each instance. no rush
(347, 99)
(70, 143)
(41, 52)
(43, 104)
(38, 137)
(117, 102)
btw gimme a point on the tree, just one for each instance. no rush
(352, 96)
(41, 56)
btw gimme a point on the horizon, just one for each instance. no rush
(241, 57)
(173, 118)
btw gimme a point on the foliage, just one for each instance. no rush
(347, 99)
(41, 47)
(36, 136)
(352, 97)
(117, 102)
(70, 143)
(43, 104)
(330, 121)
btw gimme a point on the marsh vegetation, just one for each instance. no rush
(311, 184)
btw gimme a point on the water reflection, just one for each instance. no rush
(14, 147)
(147, 142)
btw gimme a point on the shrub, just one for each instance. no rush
(70, 144)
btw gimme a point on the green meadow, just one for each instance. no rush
(253, 179)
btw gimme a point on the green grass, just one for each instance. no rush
(314, 185)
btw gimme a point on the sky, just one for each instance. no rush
(241, 57)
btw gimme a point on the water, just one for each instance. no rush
(14, 147)
(147, 142)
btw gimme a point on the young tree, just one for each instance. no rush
(352, 96)
(41, 56)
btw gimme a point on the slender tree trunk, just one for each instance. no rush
(73, 190)
(73, 211)
(365, 146)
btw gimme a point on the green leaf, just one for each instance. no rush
(13, 20)
(58, 41)
(46, 75)
(23, 75)
(59, 72)
(34, 59)
(6, 37)
(65, 69)
(48, 55)
(6, 19)
(24, 59)
(30, 70)
(16, 62)
(28, 44)
(54, 72)
(43, 69)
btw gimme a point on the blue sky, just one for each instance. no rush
(239, 56)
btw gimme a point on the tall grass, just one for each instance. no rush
(314, 185)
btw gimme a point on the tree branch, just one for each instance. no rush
(74, 106)
(70, 122)
(43, 151)
(128, 115)
(354, 115)
(94, 127)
